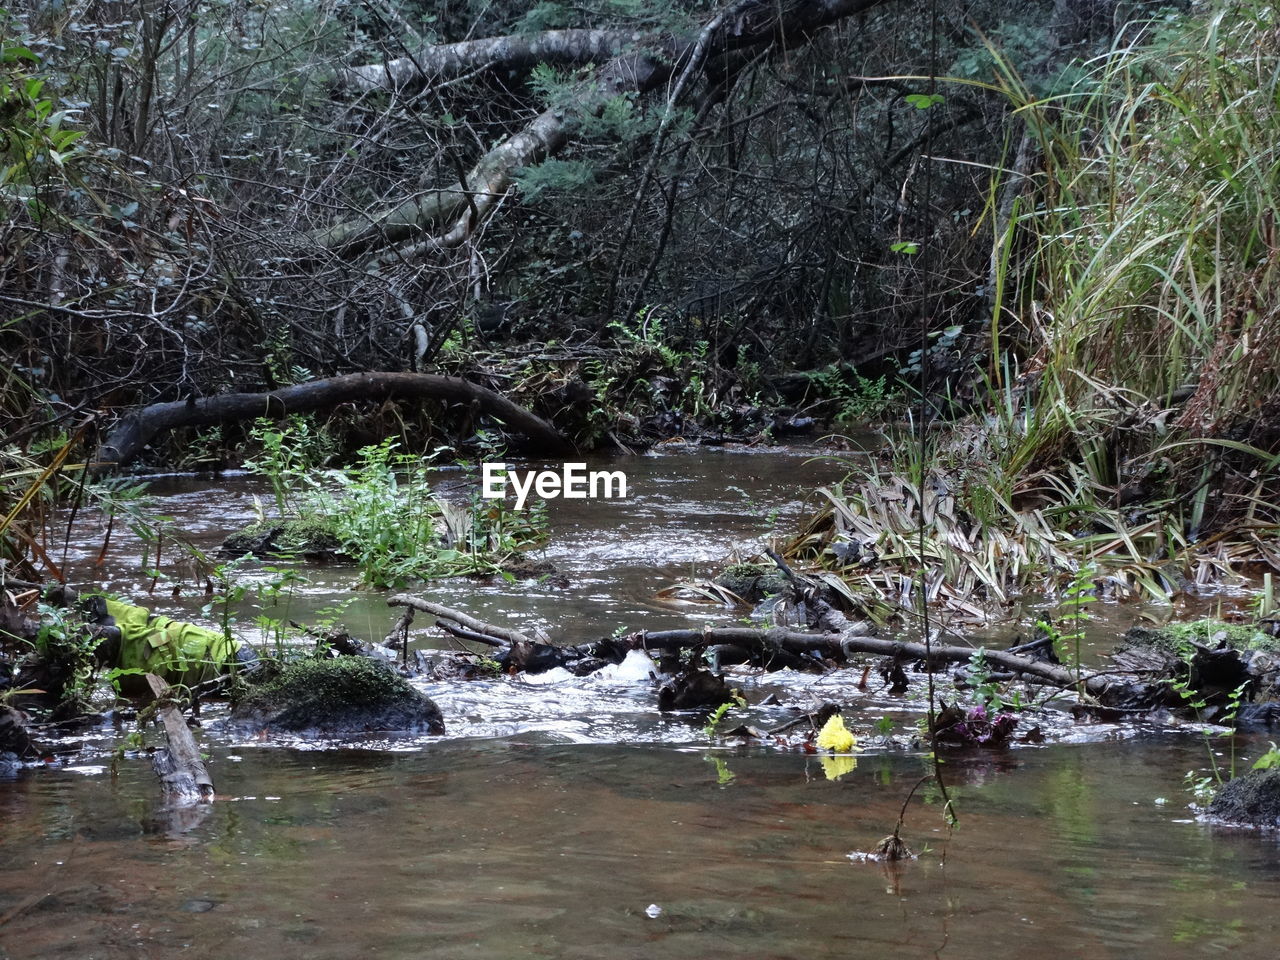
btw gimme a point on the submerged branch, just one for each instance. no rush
(761, 643)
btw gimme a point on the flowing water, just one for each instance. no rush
(561, 817)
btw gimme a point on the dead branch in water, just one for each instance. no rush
(180, 768)
(763, 644)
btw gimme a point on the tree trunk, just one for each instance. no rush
(446, 215)
(512, 54)
(133, 432)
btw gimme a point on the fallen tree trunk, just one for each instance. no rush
(764, 644)
(137, 428)
(182, 772)
(447, 215)
(513, 54)
(800, 642)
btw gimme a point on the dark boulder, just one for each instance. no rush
(15, 745)
(753, 582)
(1251, 800)
(13, 734)
(337, 697)
(694, 689)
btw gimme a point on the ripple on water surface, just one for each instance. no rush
(561, 818)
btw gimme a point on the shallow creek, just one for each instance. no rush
(561, 817)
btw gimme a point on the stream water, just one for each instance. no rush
(561, 817)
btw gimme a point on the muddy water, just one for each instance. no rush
(685, 513)
(517, 848)
(560, 818)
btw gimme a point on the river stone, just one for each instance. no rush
(1253, 800)
(309, 538)
(338, 697)
(13, 734)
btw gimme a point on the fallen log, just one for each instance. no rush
(798, 641)
(765, 644)
(510, 54)
(448, 215)
(138, 427)
(181, 770)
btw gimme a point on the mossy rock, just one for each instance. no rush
(753, 581)
(337, 697)
(299, 536)
(1251, 800)
(1174, 637)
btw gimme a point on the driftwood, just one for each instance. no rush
(490, 633)
(138, 427)
(181, 771)
(764, 645)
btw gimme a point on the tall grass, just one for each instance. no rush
(1132, 417)
(1147, 269)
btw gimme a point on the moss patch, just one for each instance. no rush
(753, 581)
(1209, 633)
(338, 696)
(297, 536)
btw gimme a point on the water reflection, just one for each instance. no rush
(502, 849)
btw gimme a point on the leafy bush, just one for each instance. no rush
(383, 513)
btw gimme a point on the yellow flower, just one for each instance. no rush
(835, 737)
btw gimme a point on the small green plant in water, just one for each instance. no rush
(1202, 789)
(1197, 703)
(990, 693)
(64, 640)
(718, 716)
(383, 514)
(1068, 631)
(291, 453)
(1268, 760)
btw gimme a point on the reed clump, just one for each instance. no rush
(1130, 416)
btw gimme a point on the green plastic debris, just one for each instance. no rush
(181, 653)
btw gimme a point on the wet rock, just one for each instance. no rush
(1180, 638)
(692, 690)
(753, 581)
(1258, 714)
(1213, 659)
(784, 426)
(1251, 800)
(13, 735)
(307, 538)
(348, 695)
(526, 568)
